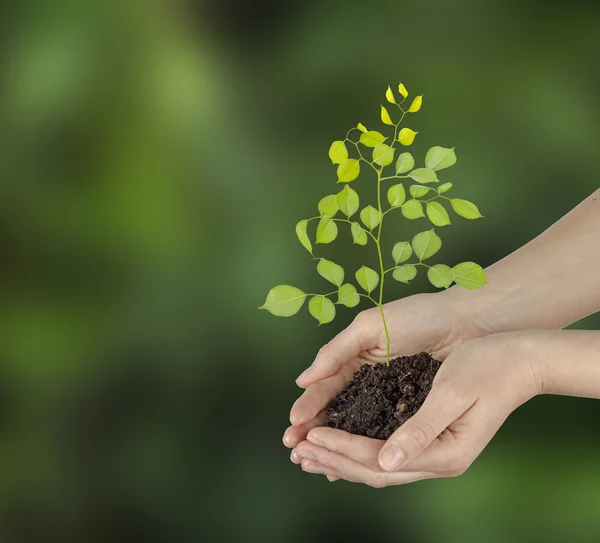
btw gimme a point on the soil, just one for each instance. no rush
(381, 398)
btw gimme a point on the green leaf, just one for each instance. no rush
(322, 309)
(362, 127)
(440, 276)
(348, 170)
(465, 209)
(303, 235)
(367, 278)
(338, 152)
(417, 191)
(331, 271)
(401, 252)
(405, 273)
(389, 95)
(469, 275)
(412, 209)
(405, 163)
(359, 234)
(416, 104)
(348, 201)
(328, 206)
(407, 136)
(383, 154)
(423, 175)
(396, 195)
(444, 187)
(437, 214)
(426, 244)
(284, 301)
(327, 230)
(348, 296)
(372, 138)
(385, 117)
(370, 217)
(439, 158)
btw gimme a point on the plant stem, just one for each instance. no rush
(382, 270)
(377, 240)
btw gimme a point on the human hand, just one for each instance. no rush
(435, 323)
(476, 388)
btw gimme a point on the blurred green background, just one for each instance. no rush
(154, 158)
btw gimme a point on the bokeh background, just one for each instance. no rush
(154, 158)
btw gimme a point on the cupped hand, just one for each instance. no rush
(476, 388)
(435, 323)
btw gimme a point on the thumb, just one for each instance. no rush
(362, 334)
(440, 409)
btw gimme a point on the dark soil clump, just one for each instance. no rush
(381, 398)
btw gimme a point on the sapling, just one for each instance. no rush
(425, 198)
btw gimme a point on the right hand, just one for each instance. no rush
(436, 323)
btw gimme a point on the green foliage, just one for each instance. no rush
(322, 309)
(426, 202)
(367, 278)
(284, 301)
(347, 201)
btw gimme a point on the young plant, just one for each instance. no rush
(427, 196)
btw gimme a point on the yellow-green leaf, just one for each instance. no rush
(444, 187)
(426, 244)
(284, 301)
(405, 273)
(402, 90)
(348, 296)
(385, 117)
(416, 104)
(322, 309)
(367, 278)
(359, 234)
(465, 209)
(372, 138)
(348, 201)
(412, 209)
(383, 154)
(370, 217)
(439, 158)
(407, 136)
(440, 275)
(362, 127)
(396, 195)
(405, 163)
(348, 170)
(389, 95)
(423, 175)
(469, 275)
(327, 230)
(401, 252)
(338, 152)
(328, 206)
(437, 214)
(418, 191)
(301, 232)
(331, 271)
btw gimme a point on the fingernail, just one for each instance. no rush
(392, 457)
(306, 455)
(304, 375)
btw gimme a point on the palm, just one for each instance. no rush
(425, 322)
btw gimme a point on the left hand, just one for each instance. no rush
(475, 390)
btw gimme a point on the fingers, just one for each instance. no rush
(358, 448)
(316, 397)
(441, 408)
(295, 434)
(320, 460)
(361, 335)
